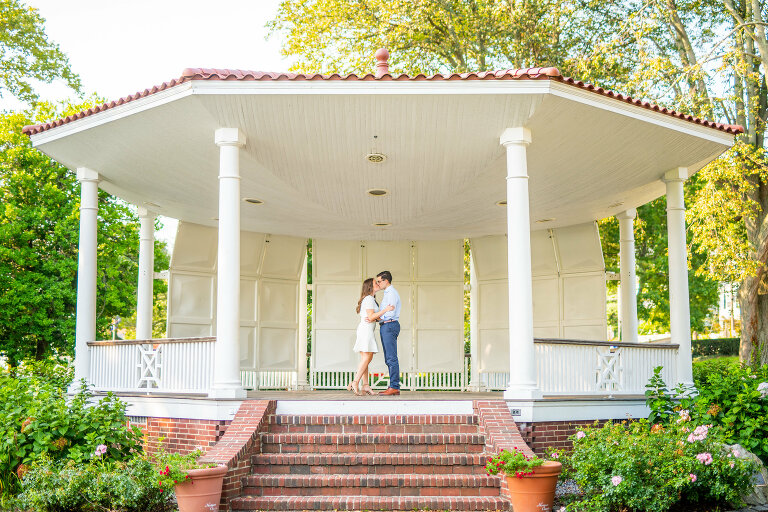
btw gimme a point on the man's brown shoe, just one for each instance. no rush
(390, 391)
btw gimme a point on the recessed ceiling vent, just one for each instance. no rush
(375, 158)
(382, 224)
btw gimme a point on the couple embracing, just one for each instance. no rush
(386, 315)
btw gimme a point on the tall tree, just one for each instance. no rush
(432, 36)
(39, 223)
(707, 57)
(26, 54)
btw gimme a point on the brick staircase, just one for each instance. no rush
(406, 463)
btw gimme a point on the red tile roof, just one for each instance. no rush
(191, 74)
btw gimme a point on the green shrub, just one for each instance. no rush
(641, 466)
(93, 486)
(728, 398)
(715, 347)
(38, 420)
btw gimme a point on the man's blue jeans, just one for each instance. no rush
(389, 333)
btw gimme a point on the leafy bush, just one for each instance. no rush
(94, 486)
(642, 466)
(37, 420)
(715, 347)
(729, 398)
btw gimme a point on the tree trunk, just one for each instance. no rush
(753, 348)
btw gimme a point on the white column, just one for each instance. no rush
(474, 357)
(301, 381)
(628, 288)
(226, 370)
(679, 312)
(522, 357)
(85, 318)
(146, 274)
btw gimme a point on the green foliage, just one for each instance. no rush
(715, 347)
(512, 463)
(26, 54)
(729, 399)
(429, 36)
(37, 420)
(641, 466)
(39, 226)
(657, 398)
(93, 486)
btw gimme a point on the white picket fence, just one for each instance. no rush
(563, 367)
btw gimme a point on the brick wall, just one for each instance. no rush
(235, 448)
(180, 435)
(541, 436)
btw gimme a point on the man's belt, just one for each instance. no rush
(387, 321)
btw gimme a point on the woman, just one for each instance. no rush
(367, 308)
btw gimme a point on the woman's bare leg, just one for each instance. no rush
(362, 369)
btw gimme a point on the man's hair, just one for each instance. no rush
(385, 275)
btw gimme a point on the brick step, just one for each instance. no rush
(373, 419)
(369, 503)
(371, 485)
(373, 428)
(368, 463)
(372, 443)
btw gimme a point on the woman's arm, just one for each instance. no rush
(372, 317)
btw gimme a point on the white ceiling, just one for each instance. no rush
(445, 170)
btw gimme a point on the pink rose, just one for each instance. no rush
(616, 480)
(692, 477)
(580, 435)
(705, 458)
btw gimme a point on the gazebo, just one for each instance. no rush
(384, 172)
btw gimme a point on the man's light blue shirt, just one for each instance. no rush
(390, 297)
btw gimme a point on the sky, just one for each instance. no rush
(119, 47)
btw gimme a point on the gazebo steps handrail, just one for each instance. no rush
(153, 341)
(558, 341)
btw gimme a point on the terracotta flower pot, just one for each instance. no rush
(203, 492)
(535, 493)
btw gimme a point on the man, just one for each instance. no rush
(389, 330)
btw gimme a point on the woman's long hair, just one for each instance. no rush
(367, 290)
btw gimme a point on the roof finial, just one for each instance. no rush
(382, 67)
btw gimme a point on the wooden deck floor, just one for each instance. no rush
(335, 394)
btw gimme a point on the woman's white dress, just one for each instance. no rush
(366, 341)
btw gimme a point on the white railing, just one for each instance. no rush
(576, 367)
(183, 365)
(409, 381)
(563, 367)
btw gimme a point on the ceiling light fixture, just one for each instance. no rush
(503, 202)
(382, 224)
(253, 200)
(377, 192)
(549, 219)
(375, 158)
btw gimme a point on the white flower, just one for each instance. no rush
(580, 434)
(616, 480)
(684, 416)
(763, 389)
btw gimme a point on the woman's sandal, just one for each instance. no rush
(353, 388)
(367, 390)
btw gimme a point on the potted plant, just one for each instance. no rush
(531, 481)
(197, 485)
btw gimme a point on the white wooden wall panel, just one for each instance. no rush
(429, 273)
(270, 268)
(568, 290)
